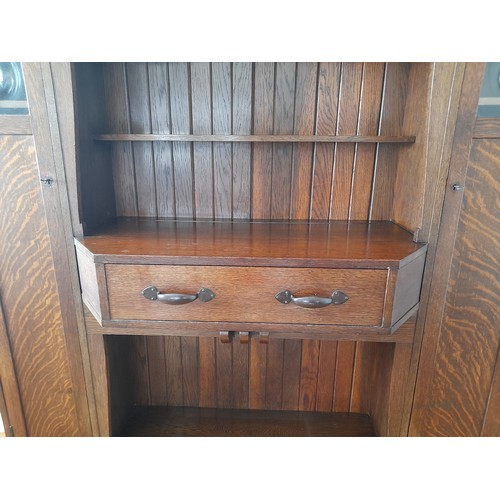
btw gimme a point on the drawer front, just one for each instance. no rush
(246, 294)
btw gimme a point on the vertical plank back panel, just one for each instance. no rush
(180, 108)
(350, 91)
(262, 153)
(305, 122)
(159, 97)
(140, 122)
(122, 162)
(391, 123)
(259, 181)
(242, 153)
(222, 124)
(368, 124)
(327, 115)
(284, 93)
(201, 96)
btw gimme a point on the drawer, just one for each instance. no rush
(246, 294)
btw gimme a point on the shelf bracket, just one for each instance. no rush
(244, 337)
(226, 337)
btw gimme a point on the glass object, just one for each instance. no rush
(12, 90)
(489, 100)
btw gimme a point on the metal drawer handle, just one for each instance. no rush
(312, 302)
(177, 299)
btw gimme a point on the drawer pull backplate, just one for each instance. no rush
(312, 301)
(177, 299)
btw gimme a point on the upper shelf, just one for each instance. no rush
(255, 138)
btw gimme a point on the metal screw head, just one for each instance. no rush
(46, 181)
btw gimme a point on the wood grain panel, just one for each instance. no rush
(241, 180)
(140, 122)
(365, 289)
(224, 363)
(274, 374)
(368, 124)
(161, 123)
(33, 320)
(180, 109)
(258, 365)
(344, 372)
(350, 91)
(326, 376)
(140, 373)
(262, 153)
(327, 122)
(157, 370)
(101, 383)
(118, 117)
(190, 377)
(292, 356)
(491, 422)
(469, 337)
(201, 97)
(309, 374)
(391, 122)
(241, 358)
(242, 75)
(421, 169)
(12, 410)
(173, 361)
(222, 124)
(207, 372)
(284, 92)
(282, 374)
(305, 120)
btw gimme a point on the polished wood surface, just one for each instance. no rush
(338, 244)
(33, 320)
(247, 294)
(431, 107)
(396, 333)
(263, 100)
(282, 374)
(200, 422)
(11, 405)
(469, 338)
(487, 128)
(491, 422)
(436, 279)
(50, 154)
(254, 138)
(15, 125)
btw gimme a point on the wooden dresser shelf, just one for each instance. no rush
(203, 422)
(252, 276)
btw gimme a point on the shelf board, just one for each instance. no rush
(255, 138)
(156, 421)
(335, 244)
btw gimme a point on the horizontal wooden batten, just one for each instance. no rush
(254, 138)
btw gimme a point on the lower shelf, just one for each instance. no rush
(203, 422)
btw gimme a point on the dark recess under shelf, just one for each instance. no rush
(159, 421)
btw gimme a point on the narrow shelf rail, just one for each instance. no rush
(255, 138)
